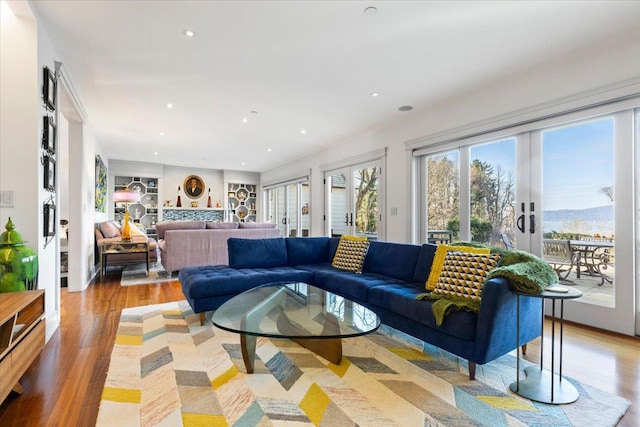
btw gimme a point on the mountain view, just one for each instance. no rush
(598, 220)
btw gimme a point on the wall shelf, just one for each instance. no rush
(146, 213)
(241, 202)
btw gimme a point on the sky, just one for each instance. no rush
(577, 163)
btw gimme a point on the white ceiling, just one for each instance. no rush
(300, 64)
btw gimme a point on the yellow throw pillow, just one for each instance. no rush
(350, 253)
(438, 261)
(463, 274)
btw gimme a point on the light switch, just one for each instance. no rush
(6, 199)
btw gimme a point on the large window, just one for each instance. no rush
(561, 189)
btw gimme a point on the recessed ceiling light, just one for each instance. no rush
(169, 105)
(244, 120)
(161, 133)
(375, 94)
(303, 131)
(370, 10)
(189, 33)
(406, 108)
(269, 150)
(242, 163)
(155, 153)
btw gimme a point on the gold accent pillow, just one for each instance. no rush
(463, 274)
(350, 253)
(438, 261)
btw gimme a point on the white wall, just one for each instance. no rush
(175, 176)
(544, 84)
(24, 50)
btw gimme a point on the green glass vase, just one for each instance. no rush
(18, 262)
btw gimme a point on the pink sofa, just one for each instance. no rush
(199, 243)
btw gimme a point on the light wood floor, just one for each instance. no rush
(63, 386)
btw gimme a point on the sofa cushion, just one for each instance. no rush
(401, 299)
(351, 285)
(392, 259)
(209, 281)
(425, 260)
(256, 225)
(307, 250)
(163, 226)
(109, 229)
(221, 225)
(351, 253)
(463, 274)
(257, 253)
(438, 260)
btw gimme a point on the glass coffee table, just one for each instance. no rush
(312, 317)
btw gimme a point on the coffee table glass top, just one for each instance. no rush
(294, 310)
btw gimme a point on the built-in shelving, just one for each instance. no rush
(146, 213)
(241, 202)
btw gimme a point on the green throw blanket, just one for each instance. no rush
(526, 273)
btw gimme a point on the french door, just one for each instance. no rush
(288, 208)
(565, 184)
(354, 200)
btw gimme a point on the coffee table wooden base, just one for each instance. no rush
(329, 348)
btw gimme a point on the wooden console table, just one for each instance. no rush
(22, 335)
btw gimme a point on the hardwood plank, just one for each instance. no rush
(64, 384)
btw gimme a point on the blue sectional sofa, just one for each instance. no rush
(393, 275)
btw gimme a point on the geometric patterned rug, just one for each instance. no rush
(167, 370)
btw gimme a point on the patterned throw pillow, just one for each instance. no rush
(463, 274)
(438, 261)
(350, 253)
(136, 231)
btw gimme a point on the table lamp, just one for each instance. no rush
(127, 197)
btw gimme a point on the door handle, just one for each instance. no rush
(284, 221)
(520, 223)
(346, 219)
(532, 223)
(351, 220)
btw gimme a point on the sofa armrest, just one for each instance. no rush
(497, 319)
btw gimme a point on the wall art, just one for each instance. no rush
(101, 186)
(49, 173)
(49, 135)
(49, 219)
(193, 186)
(49, 86)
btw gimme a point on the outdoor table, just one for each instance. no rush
(592, 262)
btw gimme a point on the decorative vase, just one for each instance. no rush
(178, 202)
(18, 263)
(209, 202)
(126, 227)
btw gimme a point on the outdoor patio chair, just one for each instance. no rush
(594, 258)
(559, 254)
